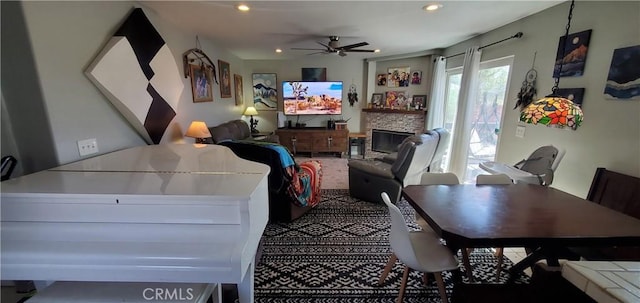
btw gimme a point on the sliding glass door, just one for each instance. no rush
(487, 113)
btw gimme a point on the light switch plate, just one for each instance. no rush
(520, 131)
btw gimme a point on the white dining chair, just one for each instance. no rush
(495, 179)
(418, 251)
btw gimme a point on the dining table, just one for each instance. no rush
(545, 219)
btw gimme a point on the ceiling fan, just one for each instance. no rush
(334, 47)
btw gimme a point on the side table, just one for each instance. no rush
(357, 139)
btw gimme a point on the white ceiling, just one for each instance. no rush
(394, 27)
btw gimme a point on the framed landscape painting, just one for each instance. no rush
(265, 92)
(575, 55)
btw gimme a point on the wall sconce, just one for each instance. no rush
(555, 110)
(251, 111)
(199, 131)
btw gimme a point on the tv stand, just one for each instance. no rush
(314, 140)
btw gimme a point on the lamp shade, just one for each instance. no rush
(553, 111)
(198, 129)
(250, 111)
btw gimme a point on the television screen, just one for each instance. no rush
(312, 98)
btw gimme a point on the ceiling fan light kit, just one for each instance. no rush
(333, 46)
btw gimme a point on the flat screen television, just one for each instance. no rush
(312, 97)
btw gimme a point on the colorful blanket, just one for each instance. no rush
(306, 177)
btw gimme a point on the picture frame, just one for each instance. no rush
(398, 76)
(225, 79)
(381, 79)
(265, 92)
(621, 78)
(575, 51)
(416, 77)
(576, 95)
(201, 83)
(377, 99)
(314, 74)
(419, 102)
(237, 84)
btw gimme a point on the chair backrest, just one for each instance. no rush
(439, 178)
(399, 235)
(493, 179)
(444, 137)
(414, 156)
(540, 161)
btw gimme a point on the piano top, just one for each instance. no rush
(169, 169)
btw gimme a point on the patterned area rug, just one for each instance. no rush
(336, 252)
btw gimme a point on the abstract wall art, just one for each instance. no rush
(623, 82)
(138, 73)
(576, 95)
(265, 92)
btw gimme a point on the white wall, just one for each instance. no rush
(65, 38)
(610, 134)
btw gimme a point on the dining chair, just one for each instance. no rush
(495, 179)
(420, 251)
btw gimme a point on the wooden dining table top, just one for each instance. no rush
(470, 215)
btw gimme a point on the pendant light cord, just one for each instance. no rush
(566, 37)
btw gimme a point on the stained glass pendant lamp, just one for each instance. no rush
(555, 110)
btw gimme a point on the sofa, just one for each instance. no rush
(294, 189)
(236, 130)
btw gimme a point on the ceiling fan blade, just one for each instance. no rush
(359, 50)
(346, 47)
(325, 45)
(297, 48)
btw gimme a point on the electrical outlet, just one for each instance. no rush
(88, 147)
(520, 131)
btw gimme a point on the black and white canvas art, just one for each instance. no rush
(138, 73)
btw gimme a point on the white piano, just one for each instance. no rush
(161, 213)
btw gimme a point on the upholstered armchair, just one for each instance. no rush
(368, 179)
(443, 143)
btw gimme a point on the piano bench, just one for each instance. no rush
(112, 292)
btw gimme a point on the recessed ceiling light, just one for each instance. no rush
(376, 51)
(278, 50)
(432, 7)
(243, 8)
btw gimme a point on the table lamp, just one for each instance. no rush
(251, 111)
(199, 131)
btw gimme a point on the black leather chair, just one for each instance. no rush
(444, 137)
(368, 179)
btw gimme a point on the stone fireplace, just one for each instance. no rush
(399, 121)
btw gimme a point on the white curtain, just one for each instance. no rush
(435, 112)
(466, 103)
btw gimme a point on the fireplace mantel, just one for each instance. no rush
(394, 111)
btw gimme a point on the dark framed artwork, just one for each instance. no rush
(314, 74)
(225, 79)
(382, 80)
(576, 95)
(265, 92)
(416, 77)
(575, 54)
(201, 83)
(624, 74)
(237, 84)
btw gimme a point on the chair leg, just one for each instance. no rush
(499, 255)
(467, 264)
(403, 285)
(387, 268)
(441, 289)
